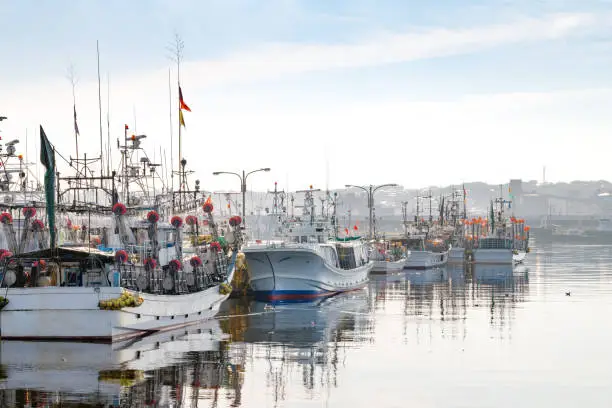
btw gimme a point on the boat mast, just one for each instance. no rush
(171, 134)
(109, 160)
(177, 56)
(100, 110)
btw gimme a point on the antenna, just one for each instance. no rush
(134, 113)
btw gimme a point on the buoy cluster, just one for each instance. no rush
(225, 288)
(126, 300)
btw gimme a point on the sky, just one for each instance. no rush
(325, 93)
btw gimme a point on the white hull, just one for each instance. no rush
(426, 259)
(299, 273)
(72, 313)
(388, 266)
(456, 255)
(492, 256)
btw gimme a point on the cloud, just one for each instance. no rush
(412, 143)
(278, 59)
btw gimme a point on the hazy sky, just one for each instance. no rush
(411, 92)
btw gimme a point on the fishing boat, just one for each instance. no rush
(456, 217)
(107, 294)
(388, 258)
(307, 259)
(506, 240)
(425, 253)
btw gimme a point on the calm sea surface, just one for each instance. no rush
(476, 337)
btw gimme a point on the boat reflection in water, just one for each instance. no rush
(307, 339)
(443, 298)
(157, 370)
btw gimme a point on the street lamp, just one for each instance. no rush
(370, 190)
(243, 180)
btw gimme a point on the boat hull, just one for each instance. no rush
(456, 255)
(388, 266)
(493, 256)
(426, 260)
(72, 313)
(299, 274)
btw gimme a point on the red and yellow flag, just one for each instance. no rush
(182, 103)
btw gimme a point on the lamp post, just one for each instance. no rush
(370, 190)
(243, 179)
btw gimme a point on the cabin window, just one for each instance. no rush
(346, 257)
(330, 255)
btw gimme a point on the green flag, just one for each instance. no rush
(47, 158)
(492, 217)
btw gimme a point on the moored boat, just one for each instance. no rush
(80, 302)
(388, 258)
(308, 260)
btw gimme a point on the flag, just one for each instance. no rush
(182, 103)
(47, 158)
(76, 127)
(181, 119)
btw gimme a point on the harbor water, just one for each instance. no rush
(536, 335)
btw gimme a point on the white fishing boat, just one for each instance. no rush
(81, 302)
(387, 258)
(424, 256)
(424, 253)
(388, 266)
(84, 293)
(308, 261)
(506, 240)
(492, 250)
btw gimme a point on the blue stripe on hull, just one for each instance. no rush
(294, 296)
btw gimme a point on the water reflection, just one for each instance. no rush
(309, 339)
(176, 366)
(288, 353)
